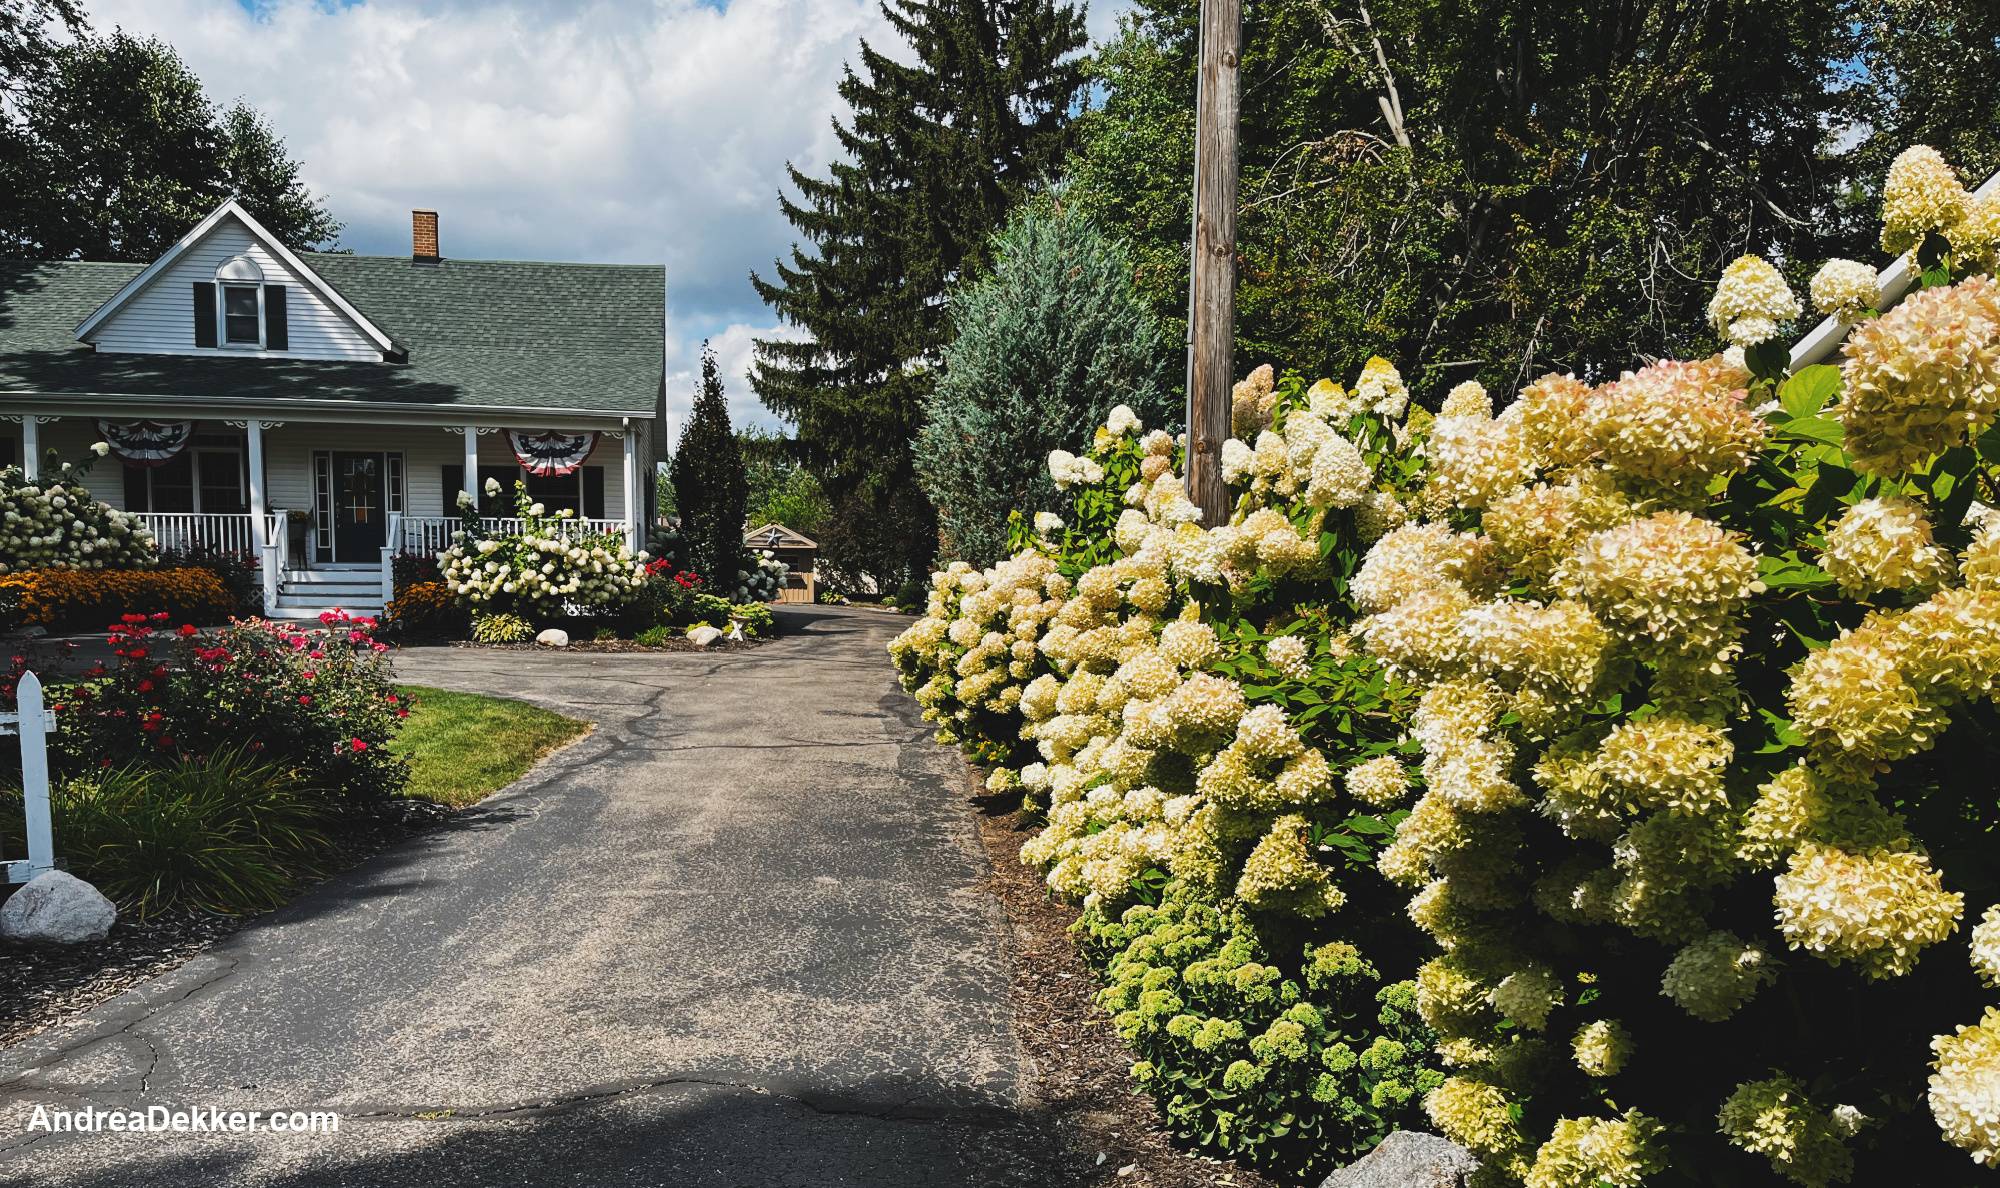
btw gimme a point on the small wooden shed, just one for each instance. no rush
(795, 549)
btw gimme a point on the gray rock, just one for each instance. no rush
(56, 907)
(1407, 1159)
(704, 635)
(554, 637)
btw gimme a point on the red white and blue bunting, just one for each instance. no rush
(146, 443)
(546, 455)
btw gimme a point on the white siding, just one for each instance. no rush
(160, 317)
(71, 439)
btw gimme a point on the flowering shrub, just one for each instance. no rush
(84, 599)
(542, 572)
(1180, 703)
(1702, 711)
(56, 523)
(425, 608)
(760, 577)
(1278, 1069)
(1674, 708)
(665, 598)
(315, 699)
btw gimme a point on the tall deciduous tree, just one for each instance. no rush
(940, 142)
(1046, 344)
(1499, 189)
(709, 487)
(119, 152)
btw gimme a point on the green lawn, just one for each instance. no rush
(462, 747)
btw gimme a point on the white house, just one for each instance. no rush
(320, 412)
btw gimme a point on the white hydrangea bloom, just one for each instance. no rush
(1845, 288)
(1751, 301)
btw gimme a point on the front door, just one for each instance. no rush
(360, 517)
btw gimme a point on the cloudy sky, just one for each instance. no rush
(612, 131)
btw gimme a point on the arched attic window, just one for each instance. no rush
(239, 285)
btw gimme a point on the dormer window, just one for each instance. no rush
(242, 315)
(239, 286)
(239, 311)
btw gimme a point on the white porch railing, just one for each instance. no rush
(425, 535)
(30, 720)
(222, 532)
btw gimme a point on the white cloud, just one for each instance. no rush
(733, 346)
(633, 132)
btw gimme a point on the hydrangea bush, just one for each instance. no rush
(1671, 698)
(760, 576)
(543, 571)
(1705, 659)
(1181, 704)
(56, 523)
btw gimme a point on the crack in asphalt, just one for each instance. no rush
(13, 1089)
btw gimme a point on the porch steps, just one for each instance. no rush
(307, 593)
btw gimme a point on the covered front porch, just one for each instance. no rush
(324, 507)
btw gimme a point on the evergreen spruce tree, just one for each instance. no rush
(1046, 344)
(937, 149)
(709, 486)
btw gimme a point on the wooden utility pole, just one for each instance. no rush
(1212, 283)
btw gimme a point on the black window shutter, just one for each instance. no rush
(454, 482)
(135, 489)
(204, 313)
(593, 492)
(276, 334)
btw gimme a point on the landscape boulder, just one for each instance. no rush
(55, 907)
(554, 637)
(1408, 1159)
(704, 635)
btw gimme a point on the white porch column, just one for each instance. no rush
(635, 501)
(31, 446)
(253, 436)
(269, 552)
(471, 468)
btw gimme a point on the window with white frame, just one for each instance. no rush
(243, 315)
(208, 476)
(239, 296)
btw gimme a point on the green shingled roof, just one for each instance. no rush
(505, 333)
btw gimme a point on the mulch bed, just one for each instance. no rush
(1082, 1064)
(49, 985)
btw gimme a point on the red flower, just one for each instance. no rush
(305, 699)
(187, 629)
(358, 746)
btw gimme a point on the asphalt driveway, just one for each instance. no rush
(733, 937)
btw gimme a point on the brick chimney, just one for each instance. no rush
(423, 237)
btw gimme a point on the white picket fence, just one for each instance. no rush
(30, 720)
